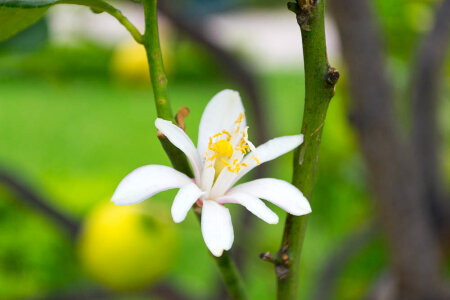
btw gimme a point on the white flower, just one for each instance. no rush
(223, 155)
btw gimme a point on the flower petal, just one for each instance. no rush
(253, 204)
(217, 228)
(269, 151)
(220, 113)
(181, 140)
(146, 181)
(207, 179)
(185, 198)
(279, 192)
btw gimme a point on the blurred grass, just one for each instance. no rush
(76, 137)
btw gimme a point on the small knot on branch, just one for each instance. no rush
(266, 256)
(282, 263)
(332, 76)
(182, 113)
(303, 10)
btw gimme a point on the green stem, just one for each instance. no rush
(102, 6)
(159, 83)
(319, 89)
(230, 274)
(152, 46)
(231, 277)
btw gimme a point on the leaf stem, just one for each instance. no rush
(320, 80)
(102, 6)
(152, 46)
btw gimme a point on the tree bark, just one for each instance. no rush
(425, 87)
(393, 168)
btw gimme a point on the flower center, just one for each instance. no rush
(223, 148)
(223, 152)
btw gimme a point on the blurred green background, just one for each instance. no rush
(75, 119)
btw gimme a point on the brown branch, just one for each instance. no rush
(33, 199)
(393, 168)
(425, 87)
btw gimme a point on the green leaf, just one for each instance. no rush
(16, 15)
(14, 20)
(27, 3)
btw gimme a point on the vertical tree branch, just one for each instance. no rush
(320, 80)
(393, 168)
(159, 82)
(425, 86)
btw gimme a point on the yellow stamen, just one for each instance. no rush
(225, 162)
(226, 132)
(240, 118)
(255, 159)
(237, 129)
(212, 157)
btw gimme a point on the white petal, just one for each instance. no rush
(207, 178)
(146, 181)
(279, 192)
(220, 113)
(223, 183)
(217, 228)
(185, 198)
(253, 204)
(268, 151)
(180, 139)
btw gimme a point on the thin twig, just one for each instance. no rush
(102, 6)
(36, 201)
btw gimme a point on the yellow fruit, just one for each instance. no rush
(125, 248)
